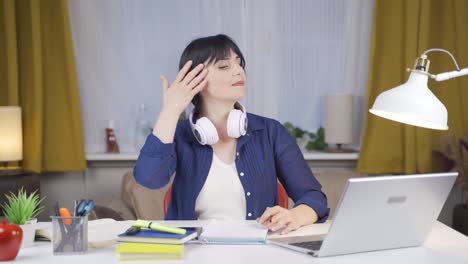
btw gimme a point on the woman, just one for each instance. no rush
(227, 161)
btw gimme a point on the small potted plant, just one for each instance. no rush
(22, 209)
(307, 140)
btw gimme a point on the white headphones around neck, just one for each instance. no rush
(206, 134)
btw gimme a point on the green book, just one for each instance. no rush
(146, 251)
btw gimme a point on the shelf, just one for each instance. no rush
(330, 156)
(111, 156)
(307, 156)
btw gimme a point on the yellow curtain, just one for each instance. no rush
(37, 72)
(403, 30)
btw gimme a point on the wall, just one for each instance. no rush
(296, 52)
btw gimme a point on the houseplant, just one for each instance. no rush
(452, 155)
(312, 141)
(22, 209)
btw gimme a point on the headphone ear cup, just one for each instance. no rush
(199, 134)
(207, 134)
(236, 124)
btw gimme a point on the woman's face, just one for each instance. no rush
(225, 79)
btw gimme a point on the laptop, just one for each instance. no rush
(378, 213)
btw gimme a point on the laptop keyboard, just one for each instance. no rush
(312, 245)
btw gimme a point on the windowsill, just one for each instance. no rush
(309, 156)
(316, 155)
(111, 156)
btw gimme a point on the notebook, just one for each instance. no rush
(142, 251)
(153, 236)
(233, 232)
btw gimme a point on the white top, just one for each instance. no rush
(223, 196)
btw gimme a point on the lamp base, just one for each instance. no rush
(339, 149)
(343, 150)
(9, 170)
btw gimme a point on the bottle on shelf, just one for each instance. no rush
(111, 139)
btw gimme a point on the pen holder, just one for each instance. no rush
(69, 235)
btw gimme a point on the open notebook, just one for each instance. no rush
(233, 232)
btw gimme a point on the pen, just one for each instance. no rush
(57, 208)
(159, 227)
(74, 207)
(89, 207)
(80, 207)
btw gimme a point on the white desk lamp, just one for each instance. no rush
(412, 102)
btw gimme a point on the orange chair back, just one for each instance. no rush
(283, 200)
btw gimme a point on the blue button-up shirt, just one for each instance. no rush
(267, 153)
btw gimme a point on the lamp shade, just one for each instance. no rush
(339, 119)
(412, 103)
(11, 136)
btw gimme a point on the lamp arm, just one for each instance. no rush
(449, 75)
(444, 51)
(446, 75)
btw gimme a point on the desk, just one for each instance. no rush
(444, 245)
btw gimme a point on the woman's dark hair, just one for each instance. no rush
(208, 50)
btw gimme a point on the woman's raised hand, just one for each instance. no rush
(180, 93)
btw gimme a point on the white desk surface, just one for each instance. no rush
(444, 245)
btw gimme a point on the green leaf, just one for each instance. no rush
(310, 146)
(298, 133)
(317, 141)
(312, 136)
(321, 133)
(288, 125)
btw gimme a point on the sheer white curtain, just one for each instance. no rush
(296, 52)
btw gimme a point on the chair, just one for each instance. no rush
(283, 200)
(134, 202)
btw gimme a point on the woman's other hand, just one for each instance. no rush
(275, 218)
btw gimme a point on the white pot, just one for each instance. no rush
(29, 230)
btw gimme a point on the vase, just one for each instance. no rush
(29, 230)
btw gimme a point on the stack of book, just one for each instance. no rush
(149, 244)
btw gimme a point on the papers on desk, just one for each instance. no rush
(233, 232)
